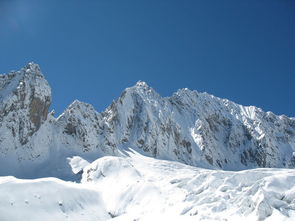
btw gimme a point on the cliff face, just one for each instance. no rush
(25, 97)
(191, 127)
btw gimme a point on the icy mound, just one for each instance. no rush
(141, 188)
(107, 168)
(122, 186)
(49, 199)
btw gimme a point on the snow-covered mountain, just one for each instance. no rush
(143, 158)
(190, 127)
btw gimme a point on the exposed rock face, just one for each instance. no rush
(25, 97)
(83, 125)
(191, 127)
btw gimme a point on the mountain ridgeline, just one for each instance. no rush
(190, 127)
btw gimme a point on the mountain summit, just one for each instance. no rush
(190, 127)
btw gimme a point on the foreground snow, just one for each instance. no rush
(142, 188)
(48, 199)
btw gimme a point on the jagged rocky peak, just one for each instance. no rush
(81, 122)
(141, 84)
(184, 96)
(40, 94)
(80, 106)
(141, 90)
(25, 99)
(131, 104)
(134, 105)
(78, 113)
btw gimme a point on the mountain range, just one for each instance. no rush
(190, 132)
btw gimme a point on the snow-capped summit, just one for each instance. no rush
(141, 89)
(25, 98)
(33, 68)
(141, 84)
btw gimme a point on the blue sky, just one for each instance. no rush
(91, 50)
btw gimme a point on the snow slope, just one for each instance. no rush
(136, 187)
(49, 199)
(142, 188)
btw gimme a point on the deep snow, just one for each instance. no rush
(137, 187)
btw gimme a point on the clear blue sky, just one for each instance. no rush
(91, 50)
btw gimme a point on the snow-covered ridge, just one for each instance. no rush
(200, 129)
(195, 128)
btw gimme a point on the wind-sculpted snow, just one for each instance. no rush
(136, 187)
(141, 188)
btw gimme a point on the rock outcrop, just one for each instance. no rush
(25, 97)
